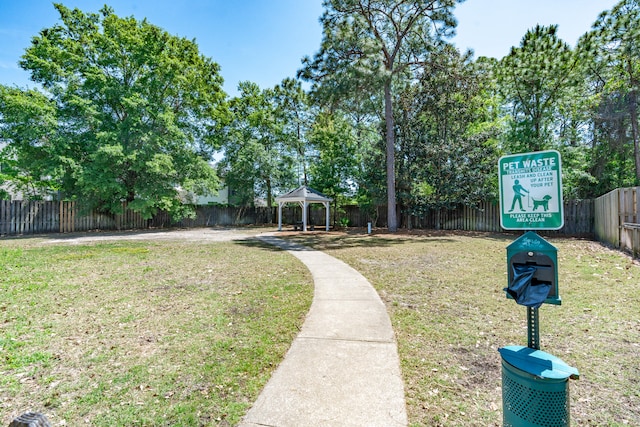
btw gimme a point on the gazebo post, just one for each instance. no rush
(326, 209)
(304, 215)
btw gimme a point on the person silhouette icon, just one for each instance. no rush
(518, 193)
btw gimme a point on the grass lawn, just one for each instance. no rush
(147, 333)
(186, 333)
(444, 294)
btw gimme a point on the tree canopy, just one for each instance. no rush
(614, 45)
(395, 115)
(262, 142)
(129, 113)
(369, 43)
(533, 78)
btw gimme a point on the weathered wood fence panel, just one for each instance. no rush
(579, 218)
(75, 219)
(618, 219)
(208, 216)
(629, 205)
(67, 217)
(31, 217)
(28, 217)
(607, 225)
(630, 238)
(24, 217)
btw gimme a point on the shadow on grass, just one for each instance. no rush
(271, 244)
(350, 239)
(319, 243)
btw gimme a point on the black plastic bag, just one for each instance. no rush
(525, 289)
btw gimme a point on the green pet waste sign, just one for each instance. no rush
(531, 191)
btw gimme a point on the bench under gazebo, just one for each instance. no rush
(303, 196)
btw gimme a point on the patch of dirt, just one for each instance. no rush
(191, 234)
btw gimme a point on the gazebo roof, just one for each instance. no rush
(303, 194)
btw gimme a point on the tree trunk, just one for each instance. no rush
(392, 220)
(633, 113)
(269, 200)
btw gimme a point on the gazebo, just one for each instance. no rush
(303, 196)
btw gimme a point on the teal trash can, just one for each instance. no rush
(535, 388)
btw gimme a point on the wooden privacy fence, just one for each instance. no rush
(35, 217)
(30, 217)
(485, 217)
(617, 219)
(578, 214)
(482, 218)
(208, 216)
(23, 217)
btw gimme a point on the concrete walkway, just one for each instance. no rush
(343, 368)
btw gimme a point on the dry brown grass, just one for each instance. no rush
(450, 315)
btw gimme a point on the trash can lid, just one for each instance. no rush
(538, 363)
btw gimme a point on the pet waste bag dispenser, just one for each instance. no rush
(535, 384)
(532, 271)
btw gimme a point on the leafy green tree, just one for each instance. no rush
(29, 123)
(533, 78)
(335, 164)
(367, 45)
(370, 176)
(137, 111)
(294, 110)
(448, 130)
(259, 159)
(614, 43)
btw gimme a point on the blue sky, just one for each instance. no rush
(264, 40)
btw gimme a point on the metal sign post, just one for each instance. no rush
(533, 328)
